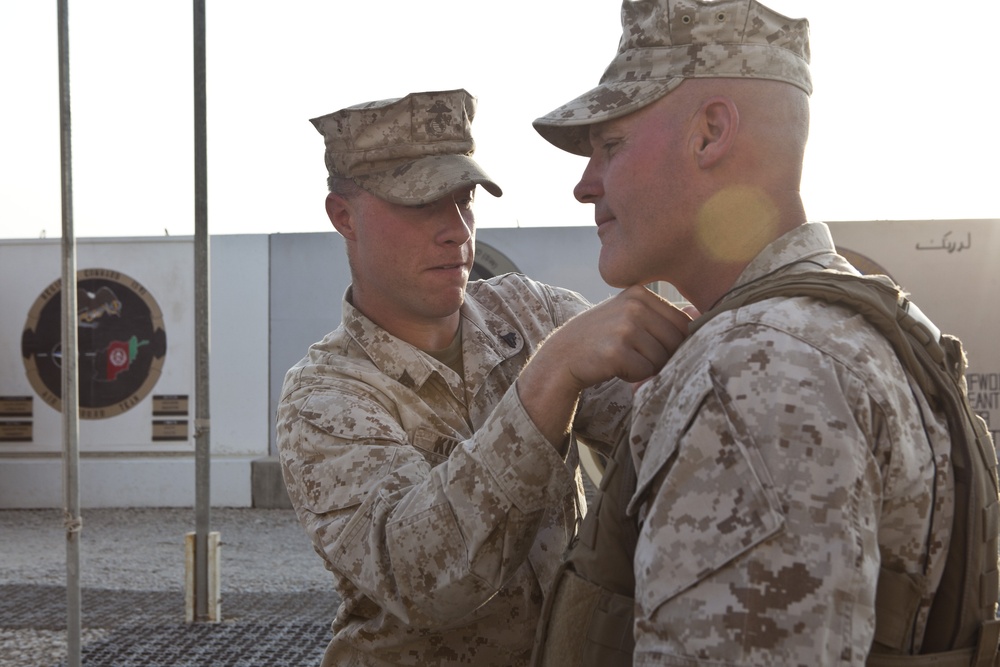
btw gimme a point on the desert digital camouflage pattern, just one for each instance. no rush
(441, 510)
(666, 41)
(782, 457)
(407, 150)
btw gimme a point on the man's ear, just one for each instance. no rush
(341, 214)
(717, 126)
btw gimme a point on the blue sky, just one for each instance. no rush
(904, 110)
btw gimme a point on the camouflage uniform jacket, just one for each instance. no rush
(783, 456)
(440, 508)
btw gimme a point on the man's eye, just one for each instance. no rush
(465, 200)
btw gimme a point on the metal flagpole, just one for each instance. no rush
(69, 360)
(201, 266)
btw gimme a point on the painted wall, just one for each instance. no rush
(951, 269)
(138, 451)
(271, 297)
(274, 295)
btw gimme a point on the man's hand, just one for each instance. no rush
(629, 336)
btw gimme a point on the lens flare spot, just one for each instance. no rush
(736, 223)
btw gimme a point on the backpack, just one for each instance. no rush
(962, 627)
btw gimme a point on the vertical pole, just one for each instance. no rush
(201, 268)
(70, 383)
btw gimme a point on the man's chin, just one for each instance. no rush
(612, 273)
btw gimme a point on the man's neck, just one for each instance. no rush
(425, 333)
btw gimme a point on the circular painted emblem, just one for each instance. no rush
(121, 343)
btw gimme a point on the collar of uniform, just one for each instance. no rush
(487, 340)
(394, 357)
(808, 240)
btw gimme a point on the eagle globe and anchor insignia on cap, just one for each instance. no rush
(121, 344)
(440, 118)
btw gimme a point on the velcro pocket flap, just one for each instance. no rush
(715, 501)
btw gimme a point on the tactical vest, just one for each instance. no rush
(587, 616)
(591, 600)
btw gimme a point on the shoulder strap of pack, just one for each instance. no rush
(967, 595)
(876, 298)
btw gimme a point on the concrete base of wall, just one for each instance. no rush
(123, 482)
(268, 487)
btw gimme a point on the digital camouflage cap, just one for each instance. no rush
(666, 41)
(409, 150)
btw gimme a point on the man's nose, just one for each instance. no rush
(455, 227)
(589, 189)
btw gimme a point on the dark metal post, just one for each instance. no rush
(201, 282)
(70, 360)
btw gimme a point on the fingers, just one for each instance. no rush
(629, 336)
(691, 311)
(644, 352)
(666, 323)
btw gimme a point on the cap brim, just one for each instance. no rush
(568, 126)
(427, 179)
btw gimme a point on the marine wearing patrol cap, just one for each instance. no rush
(409, 150)
(666, 41)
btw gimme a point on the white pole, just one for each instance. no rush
(201, 281)
(70, 360)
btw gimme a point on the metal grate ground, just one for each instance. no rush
(211, 645)
(147, 627)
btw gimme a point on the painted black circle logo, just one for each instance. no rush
(120, 338)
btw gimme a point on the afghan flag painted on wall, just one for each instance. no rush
(121, 354)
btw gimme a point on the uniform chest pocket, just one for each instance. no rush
(712, 501)
(435, 447)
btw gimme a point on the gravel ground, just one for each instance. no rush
(136, 557)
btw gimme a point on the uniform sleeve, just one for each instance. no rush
(602, 414)
(428, 540)
(760, 497)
